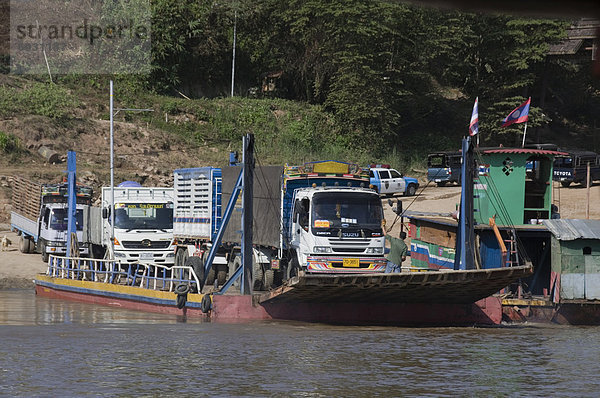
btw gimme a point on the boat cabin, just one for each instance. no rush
(514, 186)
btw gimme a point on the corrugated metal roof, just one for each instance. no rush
(525, 150)
(567, 47)
(571, 229)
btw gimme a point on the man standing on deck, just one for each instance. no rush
(398, 251)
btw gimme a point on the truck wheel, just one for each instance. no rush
(233, 266)
(292, 268)
(45, 255)
(268, 277)
(210, 278)
(23, 244)
(441, 184)
(565, 183)
(221, 274)
(257, 276)
(180, 257)
(198, 266)
(411, 190)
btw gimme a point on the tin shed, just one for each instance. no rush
(575, 246)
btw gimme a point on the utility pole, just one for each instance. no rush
(233, 58)
(112, 166)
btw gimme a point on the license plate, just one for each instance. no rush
(146, 256)
(351, 263)
(438, 180)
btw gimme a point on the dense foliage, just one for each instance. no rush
(393, 75)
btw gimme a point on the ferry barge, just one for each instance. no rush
(460, 296)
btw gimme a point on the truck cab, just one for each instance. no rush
(388, 181)
(337, 230)
(53, 230)
(143, 229)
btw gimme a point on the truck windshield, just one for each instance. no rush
(59, 220)
(144, 215)
(346, 210)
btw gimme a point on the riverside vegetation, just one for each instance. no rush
(363, 81)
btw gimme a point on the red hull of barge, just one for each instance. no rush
(229, 308)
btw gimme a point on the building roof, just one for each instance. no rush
(571, 229)
(583, 29)
(525, 150)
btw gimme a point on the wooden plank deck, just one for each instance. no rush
(444, 287)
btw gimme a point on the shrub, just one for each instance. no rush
(9, 143)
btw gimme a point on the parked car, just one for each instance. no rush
(444, 167)
(572, 168)
(388, 181)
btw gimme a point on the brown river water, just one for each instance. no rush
(57, 348)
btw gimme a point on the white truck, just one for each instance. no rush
(143, 230)
(39, 216)
(316, 218)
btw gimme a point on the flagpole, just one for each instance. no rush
(524, 134)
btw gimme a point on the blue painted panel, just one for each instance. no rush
(491, 255)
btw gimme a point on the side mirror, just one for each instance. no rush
(105, 212)
(398, 209)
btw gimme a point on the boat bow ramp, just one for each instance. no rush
(439, 286)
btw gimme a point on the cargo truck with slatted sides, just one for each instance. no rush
(320, 217)
(39, 216)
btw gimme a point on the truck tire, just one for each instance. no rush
(257, 276)
(292, 268)
(210, 278)
(221, 274)
(24, 244)
(180, 257)
(234, 265)
(411, 190)
(268, 277)
(198, 266)
(565, 184)
(45, 255)
(441, 184)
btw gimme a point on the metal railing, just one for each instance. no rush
(147, 276)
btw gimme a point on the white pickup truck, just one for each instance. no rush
(389, 182)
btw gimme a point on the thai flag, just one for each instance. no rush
(474, 125)
(519, 115)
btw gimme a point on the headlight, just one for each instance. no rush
(374, 250)
(170, 255)
(322, 249)
(122, 255)
(57, 243)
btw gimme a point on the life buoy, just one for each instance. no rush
(182, 289)
(206, 304)
(181, 300)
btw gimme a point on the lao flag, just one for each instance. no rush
(474, 125)
(519, 115)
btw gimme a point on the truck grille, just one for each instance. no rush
(348, 245)
(146, 244)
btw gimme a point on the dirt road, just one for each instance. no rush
(17, 269)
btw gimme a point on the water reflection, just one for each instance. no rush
(57, 348)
